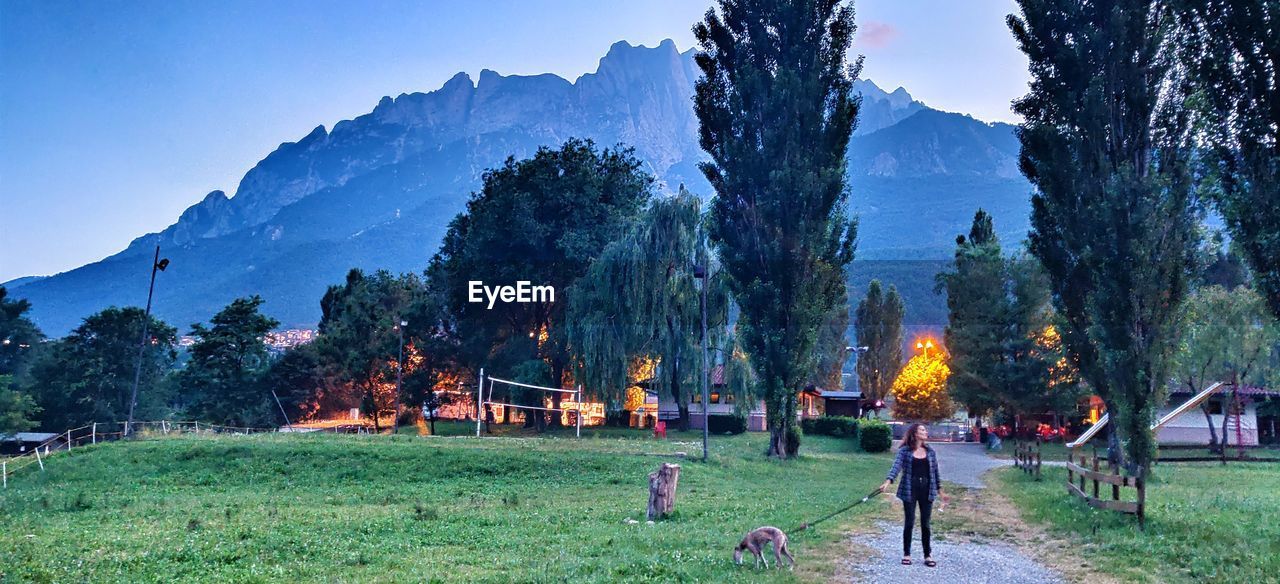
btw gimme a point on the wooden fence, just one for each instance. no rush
(1089, 469)
(1026, 456)
(1202, 453)
(102, 432)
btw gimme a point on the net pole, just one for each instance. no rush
(578, 398)
(479, 402)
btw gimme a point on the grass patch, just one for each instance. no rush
(324, 507)
(1205, 522)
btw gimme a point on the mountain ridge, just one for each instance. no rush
(377, 190)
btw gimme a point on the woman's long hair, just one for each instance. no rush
(911, 440)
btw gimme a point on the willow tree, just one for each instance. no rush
(775, 109)
(642, 298)
(1104, 145)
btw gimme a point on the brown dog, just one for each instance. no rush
(755, 542)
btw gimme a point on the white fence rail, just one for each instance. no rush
(105, 432)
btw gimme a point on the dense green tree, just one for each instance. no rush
(17, 410)
(1006, 354)
(776, 109)
(221, 382)
(541, 220)
(642, 298)
(87, 376)
(359, 338)
(978, 309)
(1228, 336)
(19, 336)
(878, 323)
(1104, 144)
(1232, 49)
(302, 382)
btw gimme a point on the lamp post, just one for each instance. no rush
(157, 264)
(395, 421)
(925, 345)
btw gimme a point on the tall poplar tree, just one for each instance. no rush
(1232, 48)
(1104, 144)
(878, 323)
(776, 109)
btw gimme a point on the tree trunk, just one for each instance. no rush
(1115, 455)
(1213, 433)
(557, 377)
(662, 491)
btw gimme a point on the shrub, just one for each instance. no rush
(874, 436)
(726, 424)
(838, 426)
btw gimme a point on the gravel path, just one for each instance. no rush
(963, 463)
(957, 561)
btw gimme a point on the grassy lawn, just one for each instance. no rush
(338, 508)
(1205, 522)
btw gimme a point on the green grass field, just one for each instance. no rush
(1205, 522)
(338, 508)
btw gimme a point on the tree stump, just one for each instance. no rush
(662, 490)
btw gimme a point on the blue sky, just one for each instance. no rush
(115, 116)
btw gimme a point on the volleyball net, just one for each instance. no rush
(484, 400)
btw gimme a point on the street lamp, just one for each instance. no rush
(925, 345)
(395, 422)
(157, 264)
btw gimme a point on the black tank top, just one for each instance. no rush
(920, 477)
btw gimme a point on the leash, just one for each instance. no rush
(804, 526)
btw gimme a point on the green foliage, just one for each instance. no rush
(1104, 144)
(17, 411)
(874, 435)
(19, 336)
(87, 376)
(220, 383)
(1230, 49)
(642, 299)
(542, 220)
(358, 509)
(1004, 353)
(879, 326)
(360, 338)
(776, 110)
(838, 426)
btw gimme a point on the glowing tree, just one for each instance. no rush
(920, 390)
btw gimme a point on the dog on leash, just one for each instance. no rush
(755, 541)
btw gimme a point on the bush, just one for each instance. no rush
(838, 426)
(726, 424)
(874, 436)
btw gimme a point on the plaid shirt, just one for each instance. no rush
(902, 464)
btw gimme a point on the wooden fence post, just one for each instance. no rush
(662, 490)
(1142, 499)
(1095, 479)
(95, 432)
(4, 472)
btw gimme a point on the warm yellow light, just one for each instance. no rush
(919, 345)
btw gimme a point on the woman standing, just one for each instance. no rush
(920, 485)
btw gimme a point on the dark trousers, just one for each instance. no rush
(909, 509)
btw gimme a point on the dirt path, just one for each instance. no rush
(978, 538)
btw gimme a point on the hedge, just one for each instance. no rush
(874, 436)
(838, 426)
